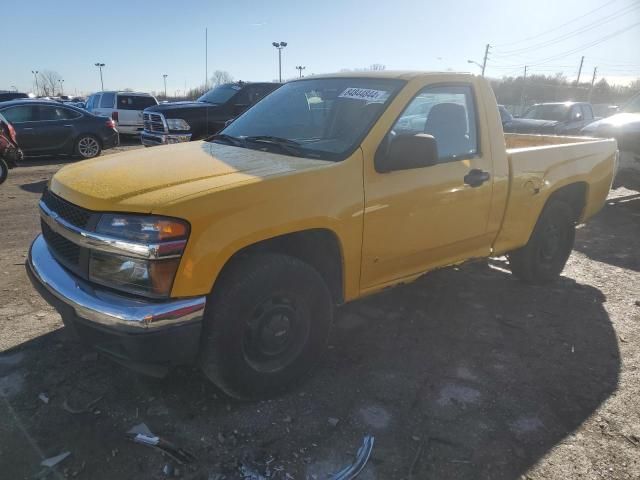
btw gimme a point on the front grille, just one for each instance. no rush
(153, 122)
(68, 252)
(74, 215)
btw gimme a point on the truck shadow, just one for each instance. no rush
(488, 374)
(471, 372)
(600, 239)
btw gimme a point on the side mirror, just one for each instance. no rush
(407, 152)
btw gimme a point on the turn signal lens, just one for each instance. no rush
(143, 228)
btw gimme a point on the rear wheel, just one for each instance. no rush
(543, 258)
(266, 326)
(88, 146)
(4, 171)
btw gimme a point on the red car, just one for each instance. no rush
(10, 153)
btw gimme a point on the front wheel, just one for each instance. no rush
(4, 171)
(88, 146)
(543, 258)
(266, 326)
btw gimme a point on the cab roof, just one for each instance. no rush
(397, 74)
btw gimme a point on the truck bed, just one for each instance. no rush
(516, 141)
(538, 163)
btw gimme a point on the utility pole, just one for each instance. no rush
(100, 65)
(35, 75)
(300, 68)
(524, 85)
(164, 76)
(579, 71)
(593, 81)
(206, 59)
(484, 62)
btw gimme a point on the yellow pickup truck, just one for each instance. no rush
(232, 252)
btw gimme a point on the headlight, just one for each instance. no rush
(142, 228)
(151, 278)
(162, 238)
(177, 124)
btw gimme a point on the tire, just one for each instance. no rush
(244, 351)
(4, 171)
(543, 258)
(87, 146)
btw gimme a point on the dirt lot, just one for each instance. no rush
(464, 374)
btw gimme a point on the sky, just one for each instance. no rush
(139, 41)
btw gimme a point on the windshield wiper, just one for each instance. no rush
(228, 139)
(289, 146)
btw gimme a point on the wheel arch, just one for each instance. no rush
(319, 247)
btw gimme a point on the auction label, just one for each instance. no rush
(364, 94)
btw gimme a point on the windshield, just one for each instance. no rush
(557, 112)
(220, 94)
(324, 118)
(633, 106)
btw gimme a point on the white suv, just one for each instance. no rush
(125, 108)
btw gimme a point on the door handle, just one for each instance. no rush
(27, 128)
(476, 177)
(67, 126)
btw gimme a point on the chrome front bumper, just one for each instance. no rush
(103, 307)
(151, 139)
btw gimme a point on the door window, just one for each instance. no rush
(135, 102)
(21, 113)
(587, 113)
(57, 113)
(447, 113)
(107, 101)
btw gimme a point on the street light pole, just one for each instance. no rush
(300, 68)
(100, 65)
(61, 81)
(35, 75)
(279, 46)
(165, 85)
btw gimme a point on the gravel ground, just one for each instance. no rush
(464, 374)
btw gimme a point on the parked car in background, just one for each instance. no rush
(184, 121)
(125, 108)
(625, 128)
(312, 198)
(46, 128)
(603, 110)
(565, 118)
(10, 153)
(6, 96)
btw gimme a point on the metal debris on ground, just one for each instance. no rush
(142, 434)
(362, 457)
(88, 407)
(53, 461)
(44, 397)
(249, 473)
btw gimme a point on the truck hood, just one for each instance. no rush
(178, 106)
(530, 125)
(629, 122)
(142, 180)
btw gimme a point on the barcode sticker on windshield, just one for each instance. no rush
(364, 94)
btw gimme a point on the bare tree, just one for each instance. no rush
(49, 81)
(221, 77)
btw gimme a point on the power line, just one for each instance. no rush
(578, 49)
(559, 26)
(585, 28)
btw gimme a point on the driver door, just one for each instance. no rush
(422, 218)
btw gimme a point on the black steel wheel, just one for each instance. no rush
(266, 325)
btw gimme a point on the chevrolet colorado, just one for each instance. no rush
(331, 188)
